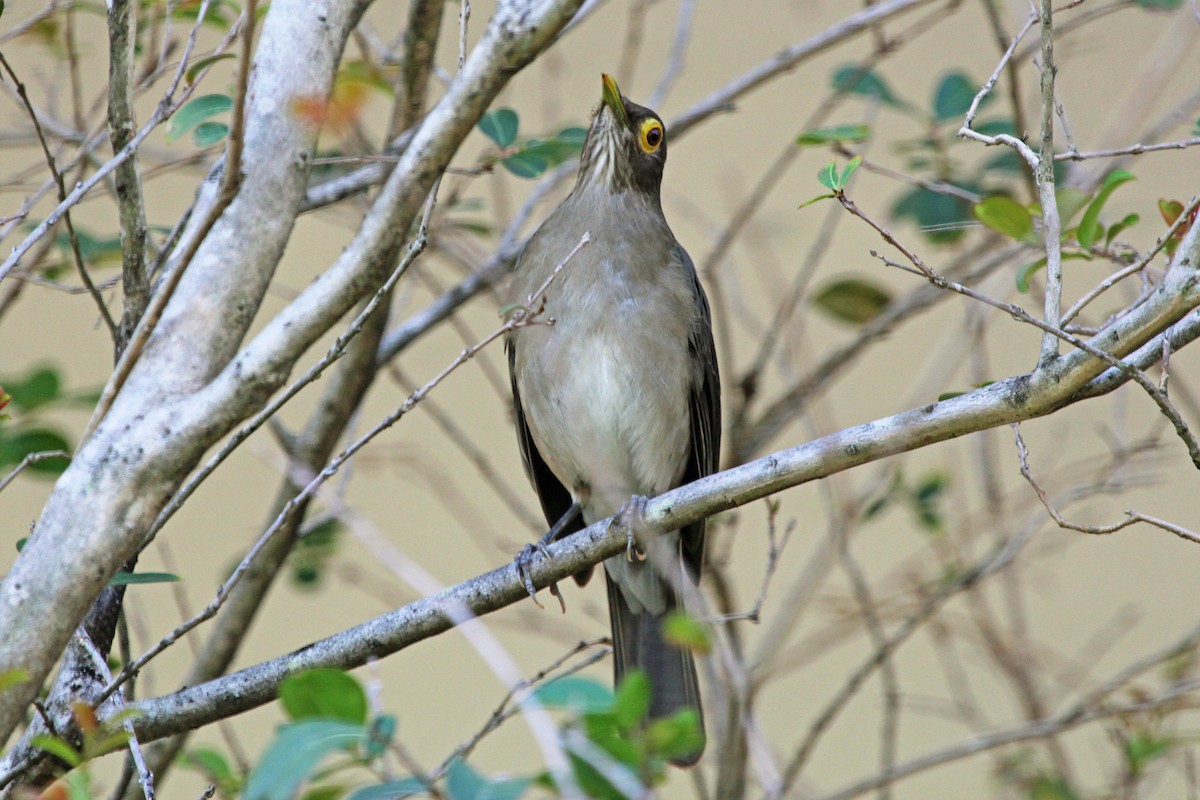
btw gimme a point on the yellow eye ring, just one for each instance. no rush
(652, 135)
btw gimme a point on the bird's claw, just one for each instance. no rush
(524, 566)
(632, 514)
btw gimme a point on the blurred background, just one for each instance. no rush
(863, 550)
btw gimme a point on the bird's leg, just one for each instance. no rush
(524, 559)
(632, 514)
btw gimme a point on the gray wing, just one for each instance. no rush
(704, 405)
(555, 498)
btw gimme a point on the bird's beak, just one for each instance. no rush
(611, 96)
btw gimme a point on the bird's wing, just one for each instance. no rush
(555, 497)
(704, 405)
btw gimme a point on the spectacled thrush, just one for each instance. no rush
(619, 398)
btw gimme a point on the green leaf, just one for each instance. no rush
(209, 133)
(686, 632)
(295, 752)
(392, 790)
(1144, 748)
(58, 748)
(632, 701)
(196, 111)
(42, 386)
(14, 447)
(851, 133)
(1007, 216)
(557, 149)
(203, 63)
(383, 730)
(578, 694)
(1088, 231)
(953, 96)
(500, 126)
(849, 170)
(1170, 210)
(525, 165)
(1159, 5)
(139, 578)
(324, 693)
(995, 127)
(1029, 270)
(12, 677)
(215, 769)
(852, 79)
(1070, 201)
(828, 176)
(816, 199)
(464, 783)
(852, 300)
(676, 736)
(941, 217)
(1051, 787)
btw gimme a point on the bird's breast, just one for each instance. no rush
(606, 388)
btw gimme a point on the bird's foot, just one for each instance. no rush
(632, 514)
(524, 566)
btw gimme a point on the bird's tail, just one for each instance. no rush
(638, 644)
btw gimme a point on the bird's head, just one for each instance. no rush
(626, 147)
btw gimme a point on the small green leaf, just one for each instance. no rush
(1170, 210)
(632, 701)
(1088, 231)
(995, 127)
(852, 300)
(203, 63)
(850, 133)
(58, 748)
(42, 386)
(1159, 5)
(953, 96)
(579, 694)
(500, 126)
(1070, 201)
(1029, 270)
(383, 730)
(215, 769)
(1142, 749)
(828, 176)
(392, 790)
(941, 217)
(196, 111)
(14, 448)
(209, 133)
(140, 578)
(816, 199)
(676, 736)
(1005, 215)
(12, 677)
(464, 783)
(857, 80)
(296, 750)
(686, 632)
(849, 170)
(324, 693)
(525, 165)
(1051, 787)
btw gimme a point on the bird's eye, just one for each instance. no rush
(652, 135)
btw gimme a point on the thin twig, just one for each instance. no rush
(31, 458)
(1095, 530)
(72, 237)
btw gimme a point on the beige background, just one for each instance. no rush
(1093, 603)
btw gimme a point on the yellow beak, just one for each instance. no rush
(611, 95)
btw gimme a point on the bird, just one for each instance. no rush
(618, 399)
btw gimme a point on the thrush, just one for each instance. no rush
(619, 399)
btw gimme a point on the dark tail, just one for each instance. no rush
(638, 644)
